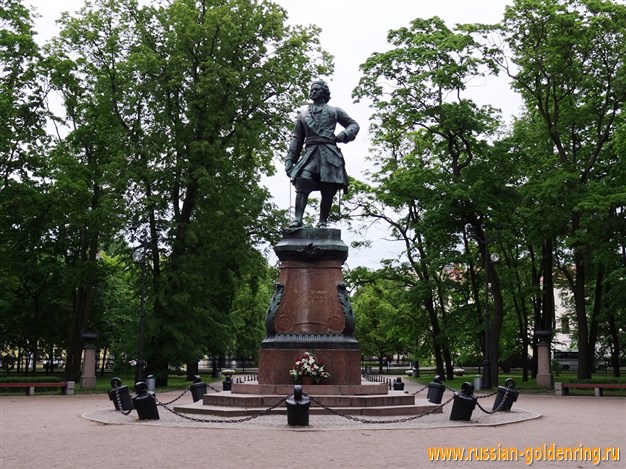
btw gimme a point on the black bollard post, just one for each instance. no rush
(464, 403)
(298, 408)
(398, 385)
(145, 402)
(435, 390)
(507, 395)
(197, 388)
(227, 384)
(120, 395)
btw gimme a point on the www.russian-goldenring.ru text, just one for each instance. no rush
(545, 452)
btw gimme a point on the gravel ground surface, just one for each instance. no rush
(84, 431)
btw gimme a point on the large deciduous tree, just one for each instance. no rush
(433, 153)
(28, 279)
(567, 61)
(194, 96)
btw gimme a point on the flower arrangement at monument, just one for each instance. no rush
(308, 366)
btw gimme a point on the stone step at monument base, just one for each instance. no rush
(367, 398)
(365, 388)
(418, 407)
(231, 399)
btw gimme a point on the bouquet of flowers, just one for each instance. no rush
(307, 365)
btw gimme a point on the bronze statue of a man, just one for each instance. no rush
(321, 166)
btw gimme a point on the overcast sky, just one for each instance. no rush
(351, 31)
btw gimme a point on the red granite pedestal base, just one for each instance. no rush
(310, 310)
(344, 366)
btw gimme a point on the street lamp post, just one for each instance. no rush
(493, 258)
(139, 256)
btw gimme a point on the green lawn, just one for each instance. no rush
(103, 383)
(530, 386)
(179, 382)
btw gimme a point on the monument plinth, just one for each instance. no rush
(310, 310)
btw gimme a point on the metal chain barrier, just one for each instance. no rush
(243, 419)
(449, 388)
(420, 390)
(321, 404)
(174, 400)
(357, 419)
(497, 409)
(119, 402)
(480, 396)
(214, 389)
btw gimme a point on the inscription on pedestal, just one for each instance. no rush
(310, 303)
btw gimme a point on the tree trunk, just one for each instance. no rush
(436, 335)
(595, 313)
(475, 293)
(156, 358)
(80, 322)
(615, 348)
(83, 301)
(104, 361)
(548, 310)
(584, 351)
(192, 370)
(496, 324)
(537, 305)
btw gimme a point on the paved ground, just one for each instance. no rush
(53, 431)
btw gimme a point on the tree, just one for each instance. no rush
(88, 163)
(566, 59)
(376, 310)
(249, 307)
(196, 95)
(28, 271)
(432, 148)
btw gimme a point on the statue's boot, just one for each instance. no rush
(328, 194)
(301, 201)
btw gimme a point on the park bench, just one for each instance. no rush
(67, 387)
(562, 389)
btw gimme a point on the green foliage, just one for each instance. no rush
(570, 71)
(169, 115)
(453, 184)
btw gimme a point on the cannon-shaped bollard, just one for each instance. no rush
(507, 395)
(398, 385)
(435, 390)
(464, 403)
(298, 408)
(145, 402)
(120, 395)
(227, 384)
(198, 388)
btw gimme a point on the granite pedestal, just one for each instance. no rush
(310, 310)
